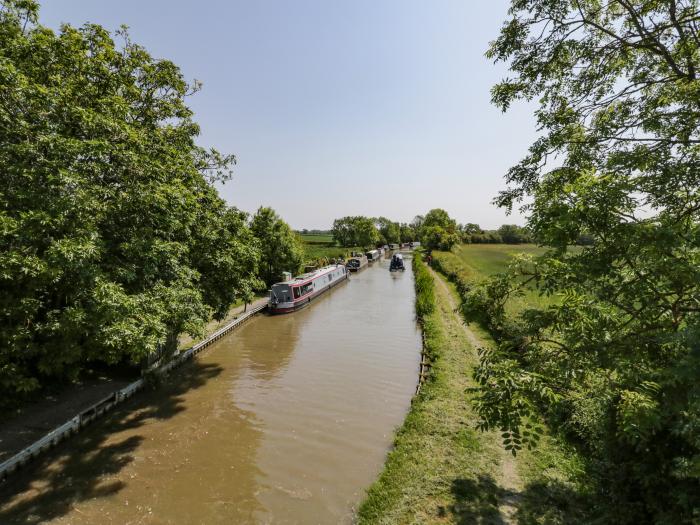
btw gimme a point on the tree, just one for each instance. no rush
(471, 229)
(343, 232)
(112, 240)
(438, 231)
(389, 232)
(366, 233)
(615, 362)
(407, 233)
(439, 217)
(355, 231)
(514, 234)
(281, 249)
(417, 222)
(437, 238)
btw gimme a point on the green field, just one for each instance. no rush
(487, 259)
(476, 262)
(318, 247)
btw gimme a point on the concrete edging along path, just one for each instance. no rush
(75, 423)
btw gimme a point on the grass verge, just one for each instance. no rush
(441, 469)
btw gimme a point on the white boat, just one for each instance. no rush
(294, 294)
(373, 255)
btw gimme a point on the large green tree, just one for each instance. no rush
(407, 233)
(614, 363)
(389, 232)
(281, 249)
(355, 231)
(112, 240)
(438, 231)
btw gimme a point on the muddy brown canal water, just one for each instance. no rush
(287, 420)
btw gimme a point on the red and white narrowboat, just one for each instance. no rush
(294, 294)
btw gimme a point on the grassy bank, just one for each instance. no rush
(441, 469)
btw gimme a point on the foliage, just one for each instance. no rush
(440, 470)
(389, 231)
(425, 288)
(281, 249)
(407, 233)
(612, 362)
(438, 231)
(355, 231)
(514, 234)
(439, 217)
(471, 228)
(436, 238)
(112, 240)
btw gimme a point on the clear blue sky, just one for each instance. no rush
(368, 107)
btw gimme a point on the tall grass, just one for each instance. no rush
(425, 289)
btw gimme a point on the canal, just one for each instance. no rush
(286, 420)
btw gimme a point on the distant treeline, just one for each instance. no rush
(436, 230)
(507, 234)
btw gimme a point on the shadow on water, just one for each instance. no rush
(77, 470)
(551, 502)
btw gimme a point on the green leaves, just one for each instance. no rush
(281, 249)
(112, 240)
(617, 89)
(438, 231)
(355, 231)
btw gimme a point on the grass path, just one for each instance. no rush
(510, 481)
(441, 469)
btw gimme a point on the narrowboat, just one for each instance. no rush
(396, 264)
(356, 262)
(294, 294)
(373, 255)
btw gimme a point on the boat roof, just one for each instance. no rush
(309, 275)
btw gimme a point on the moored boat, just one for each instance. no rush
(356, 262)
(294, 294)
(373, 255)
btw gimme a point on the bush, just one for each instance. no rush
(425, 288)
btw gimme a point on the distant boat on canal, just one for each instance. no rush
(294, 294)
(397, 264)
(357, 262)
(373, 255)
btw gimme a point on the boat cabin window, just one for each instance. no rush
(282, 293)
(300, 291)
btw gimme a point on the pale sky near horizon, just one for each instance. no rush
(370, 107)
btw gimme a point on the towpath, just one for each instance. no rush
(509, 480)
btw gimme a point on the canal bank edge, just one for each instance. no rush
(86, 416)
